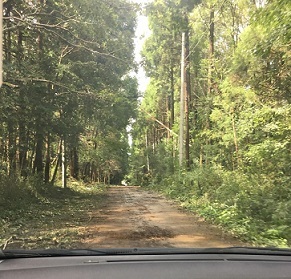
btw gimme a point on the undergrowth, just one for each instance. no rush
(38, 215)
(247, 206)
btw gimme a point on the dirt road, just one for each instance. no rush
(133, 217)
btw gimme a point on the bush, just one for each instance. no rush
(247, 205)
(17, 193)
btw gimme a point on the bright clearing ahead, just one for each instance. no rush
(141, 34)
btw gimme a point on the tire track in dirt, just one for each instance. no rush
(134, 217)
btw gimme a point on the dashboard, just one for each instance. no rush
(148, 266)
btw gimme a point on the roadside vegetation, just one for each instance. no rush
(34, 215)
(233, 166)
(66, 100)
(69, 97)
(239, 204)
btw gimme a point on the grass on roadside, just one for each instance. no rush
(34, 215)
(251, 210)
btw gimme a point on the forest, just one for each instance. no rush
(68, 94)
(70, 97)
(234, 167)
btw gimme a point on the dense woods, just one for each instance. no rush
(236, 148)
(69, 98)
(68, 94)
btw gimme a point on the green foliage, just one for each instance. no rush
(240, 131)
(244, 205)
(262, 58)
(66, 73)
(34, 217)
(14, 192)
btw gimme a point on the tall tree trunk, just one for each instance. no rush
(47, 159)
(38, 160)
(7, 34)
(22, 134)
(172, 114)
(74, 163)
(211, 52)
(57, 163)
(154, 139)
(172, 98)
(187, 98)
(11, 149)
(182, 105)
(23, 147)
(235, 141)
(147, 152)
(64, 165)
(30, 160)
(20, 48)
(9, 154)
(210, 76)
(167, 118)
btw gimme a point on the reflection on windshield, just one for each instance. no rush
(199, 158)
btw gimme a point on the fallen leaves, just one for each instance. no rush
(55, 223)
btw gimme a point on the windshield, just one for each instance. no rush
(163, 123)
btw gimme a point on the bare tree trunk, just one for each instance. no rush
(47, 159)
(57, 163)
(23, 164)
(38, 160)
(31, 159)
(235, 139)
(172, 99)
(167, 118)
(182, 104)
(7, 48)
(210, 76)
(154, 139)
(7, 41)
(211, 52)
(187, 99)
(64, 165)
(147, 154)
(11, 149)
(74, 163)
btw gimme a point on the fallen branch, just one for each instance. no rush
(159, 122)
(6, 242)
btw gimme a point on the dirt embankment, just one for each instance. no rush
(133, 217)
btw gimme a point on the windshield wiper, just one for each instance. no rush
(9, 254)
(19, 253)
(249, 250)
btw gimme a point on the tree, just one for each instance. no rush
(239, 110)
(54, 89)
